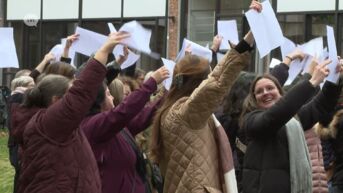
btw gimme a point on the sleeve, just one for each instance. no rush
(280, 72)
(66, 60)
(322, 105)
(34, 74)
(104, 126)
(206, 98)
(144, 118)
(112, 72)
(266, 122)
(65, 115)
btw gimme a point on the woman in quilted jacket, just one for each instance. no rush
(56, 154)
(184, 136)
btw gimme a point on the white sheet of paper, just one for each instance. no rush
(170, 65)
(287, 47)
(88, 42)
(228, 30)
(139, 36)
(333, 76)
(8, 53)
(306, 63)
(57, 51)
(274, 62)
(324, 55)
(266, 29)
(131, 60)
(196, 50)
(119, 49)
(294, 69)
(313, 47)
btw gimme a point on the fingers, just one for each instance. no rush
(256, 5)
(160, 74)
(118, 37)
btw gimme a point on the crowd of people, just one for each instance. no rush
(217, 129)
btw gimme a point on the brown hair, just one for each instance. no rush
(250, 103)
(117, 91)
(41, 95)
(24, 72)
(130, 82)
(60, 68)
(189, 72)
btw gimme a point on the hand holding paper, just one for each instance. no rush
(196, 50)
(160, 74)
(228, 31)
(113, 39)
(256, 5)
(121, 59)
(140, 36)
(265, 27)
(320, 72)
(170, 65)
(333, 76)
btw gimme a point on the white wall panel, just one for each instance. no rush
(61, 9)
(305, 5)
(101, 8)
(144, 8)
(17, 9)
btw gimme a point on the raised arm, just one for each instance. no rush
(104, 126)
(267, 122)
(144, 118)
(41, 66)
(64, 116)
(206, 98)
(322, 105)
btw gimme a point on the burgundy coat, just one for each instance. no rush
(56, 155)
(115, 157)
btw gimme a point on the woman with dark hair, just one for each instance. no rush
(110, 131)
(56, 155)
(184, 137)
(277, 158)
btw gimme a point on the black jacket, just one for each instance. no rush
(266, 162)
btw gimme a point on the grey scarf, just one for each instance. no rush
(299, 158)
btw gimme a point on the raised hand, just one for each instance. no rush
(121, 59)
(160, 74)
(217, 40)
(113, 39)
(256, 5)
(188, 50)
(320, 72)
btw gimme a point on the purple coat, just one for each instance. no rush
(115, 157)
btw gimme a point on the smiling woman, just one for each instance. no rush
(277, 157)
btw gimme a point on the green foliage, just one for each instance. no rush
(6, 170)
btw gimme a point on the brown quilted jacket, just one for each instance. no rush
(189, 160)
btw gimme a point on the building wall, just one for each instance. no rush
(173, 29)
